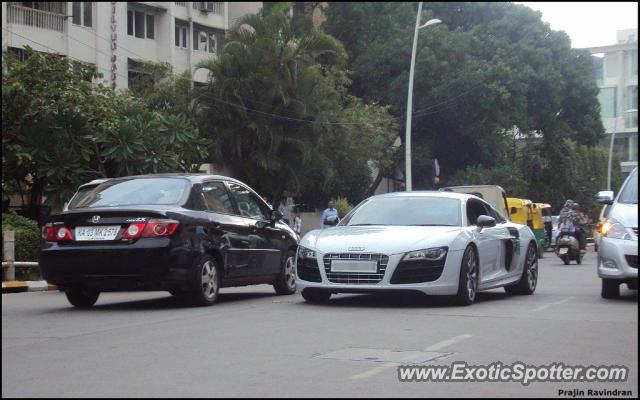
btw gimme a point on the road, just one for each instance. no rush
(256, 344)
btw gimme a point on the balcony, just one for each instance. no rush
(214, 7)
(35, 18)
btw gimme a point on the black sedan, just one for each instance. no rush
(189, 234)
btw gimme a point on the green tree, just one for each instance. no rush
(67, 129)
(489, 67)
(278, 111)
(49, 125)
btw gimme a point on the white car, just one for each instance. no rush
(618, 249)
(437, 243)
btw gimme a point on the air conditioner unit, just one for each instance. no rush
(206, 6)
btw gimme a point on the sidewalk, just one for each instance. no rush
(26, 286)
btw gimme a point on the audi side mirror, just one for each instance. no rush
(485, 221)
(276, 216)
(605, 197)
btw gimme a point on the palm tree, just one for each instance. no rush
(271, 95)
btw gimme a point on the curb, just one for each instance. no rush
(26, 286)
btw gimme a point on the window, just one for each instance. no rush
(249, 204)
(138, 191)
(150, 26)
(217, 198)
(139, 24)
(405, 211)
(631, 107)
(181, 36)
(137, 27)
(598, 70)
(474, 210)
(621, 148)
(204, 40)
(607, 99)
(82, 13)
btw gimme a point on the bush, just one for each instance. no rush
(27, 236)
(342, 205)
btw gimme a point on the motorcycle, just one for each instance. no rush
(567, 247)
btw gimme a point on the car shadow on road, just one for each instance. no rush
(404, 300)
(170, 302)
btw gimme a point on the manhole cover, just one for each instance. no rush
(383, 355)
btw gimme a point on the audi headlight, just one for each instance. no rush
(304, 253)
(614, 230)
(433, 254)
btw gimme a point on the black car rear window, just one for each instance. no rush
(141, 191)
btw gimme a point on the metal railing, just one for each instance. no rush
(35, 18)
(215, 7)
(181, 3)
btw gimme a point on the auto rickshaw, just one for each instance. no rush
(492, 194)
(547, 224)
(522, 211)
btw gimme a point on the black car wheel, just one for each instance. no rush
(82, 296)
(316, 296)
(468, 282)
(205, 282)
(529, 279)
(286, 281)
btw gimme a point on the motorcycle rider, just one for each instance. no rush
(574, 220)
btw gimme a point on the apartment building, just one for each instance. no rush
(117, 36)
(616, 72)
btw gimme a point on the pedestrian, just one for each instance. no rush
(297, 221)
(329, 217)
(284, 210)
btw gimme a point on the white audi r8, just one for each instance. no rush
(437, 243)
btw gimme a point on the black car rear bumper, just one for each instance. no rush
(150, 263)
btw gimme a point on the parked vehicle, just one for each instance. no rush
(567, 246)
(520, 211)
(601, 220)
(189, 234)
(618, 250)
(538, 226)
(492, 194)
(547, 225)
(437, 243)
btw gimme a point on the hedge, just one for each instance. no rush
(27, 236)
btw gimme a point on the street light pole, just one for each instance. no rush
(613, 138)
(410, 97)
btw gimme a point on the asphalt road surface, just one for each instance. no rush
(254, 343)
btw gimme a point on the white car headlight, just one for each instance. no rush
(614, 230)
(304, 253)
(433, 254)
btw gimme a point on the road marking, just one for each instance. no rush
(545, 306)
(435, 347)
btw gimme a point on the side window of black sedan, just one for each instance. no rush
(217, 198)
(248, 203)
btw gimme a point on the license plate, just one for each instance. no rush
(354, 266)
(97, 232)
(563, 250)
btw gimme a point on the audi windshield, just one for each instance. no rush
(406, 211)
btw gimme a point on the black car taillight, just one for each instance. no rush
(160, 227)
(59, 233)
(133, 231)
